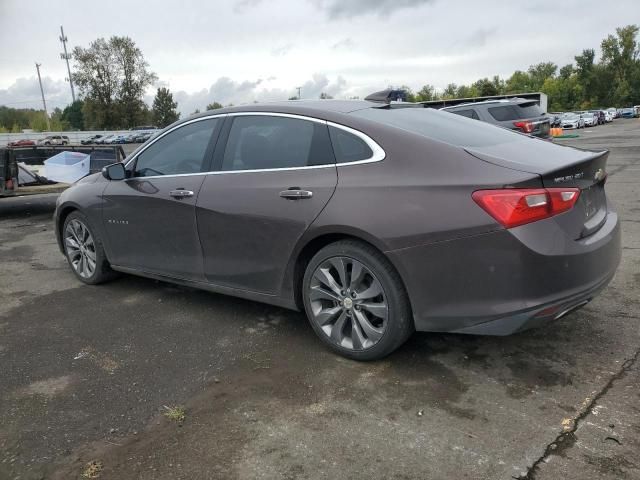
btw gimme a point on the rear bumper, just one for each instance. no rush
(509, 280)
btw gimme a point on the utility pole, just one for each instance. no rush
(299, 88)
(46, 115)
(66, 56)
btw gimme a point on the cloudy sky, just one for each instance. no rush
(244, 50)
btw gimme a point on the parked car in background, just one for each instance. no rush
(90, 140)
(608, 116)
(54, 140)
(628, 113)
(572, 120)
(613, 111)
(590, 119)
(555, 118)
(304, 205)
(21, 143)
(516, 114)
(601, 116)
(104, 140)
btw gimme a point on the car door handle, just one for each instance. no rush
(181, 193)
(296, 194)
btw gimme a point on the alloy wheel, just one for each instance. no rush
(80, 248)
(348, 303)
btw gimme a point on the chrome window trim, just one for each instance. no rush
(199, 119)
(378, 153)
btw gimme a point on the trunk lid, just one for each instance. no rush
(560, 167)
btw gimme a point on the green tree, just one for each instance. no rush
(426, 93)
(450, 91)
(164, 108)
(540, 72)
(73, 115)
(38, 123)
(113, 76)
(486, 87)
(214, 106)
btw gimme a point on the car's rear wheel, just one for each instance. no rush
(84, 251)
(355, 301)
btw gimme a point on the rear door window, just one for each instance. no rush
(259, 142)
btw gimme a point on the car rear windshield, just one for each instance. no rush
(443, 126)
(504, 113)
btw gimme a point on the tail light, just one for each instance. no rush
(512, 207)
(526, 127)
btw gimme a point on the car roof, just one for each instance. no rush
(303, 107)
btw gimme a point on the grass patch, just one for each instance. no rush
(93, 469)
(176, 413)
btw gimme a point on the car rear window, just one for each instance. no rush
(469, 113)
(443, 126)
(504, 113)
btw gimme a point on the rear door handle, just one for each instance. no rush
(296, 194)
(181, 193)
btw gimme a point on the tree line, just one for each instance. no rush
(612, 81)
(112, 76)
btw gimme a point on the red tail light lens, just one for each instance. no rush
(526, 127)
(512, 207)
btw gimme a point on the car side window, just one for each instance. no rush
(181, 151)
(258, 142)
(348, 147)
(469, 113)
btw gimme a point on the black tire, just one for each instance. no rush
(399, 320)
(102, 271)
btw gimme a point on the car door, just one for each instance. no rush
(276, 172)
(150, 216)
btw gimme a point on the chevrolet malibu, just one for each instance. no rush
(375, 219)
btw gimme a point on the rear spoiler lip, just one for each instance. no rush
(501, 162)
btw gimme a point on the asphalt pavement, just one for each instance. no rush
(91, 374)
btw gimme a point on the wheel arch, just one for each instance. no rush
(311, 245)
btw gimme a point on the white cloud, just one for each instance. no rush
(205, 51)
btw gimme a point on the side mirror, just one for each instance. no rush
(115, 171)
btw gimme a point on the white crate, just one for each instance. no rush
(67, 167)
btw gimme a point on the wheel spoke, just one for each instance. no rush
(324, 276)
(339, 264)
(319, 293)
(71, 243)
(377, 309)
(358, 273)
(358, 340)
(328, 314)
(337, 330)
(373, 291)
(91, 255)
(374, 334)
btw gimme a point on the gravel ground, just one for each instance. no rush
(88, 374)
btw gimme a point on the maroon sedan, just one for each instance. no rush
(22, 143)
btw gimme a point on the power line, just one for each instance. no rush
(66, 56)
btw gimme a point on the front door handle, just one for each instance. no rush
(296, 194)
(181, 193)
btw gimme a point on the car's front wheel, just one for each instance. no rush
(355, 301)
(84, 251)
